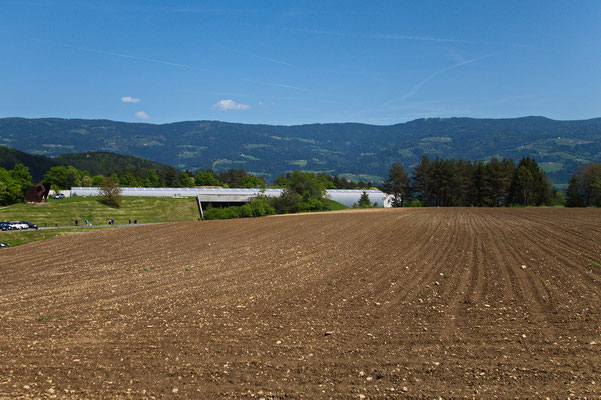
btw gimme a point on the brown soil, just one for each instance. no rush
(382, 304)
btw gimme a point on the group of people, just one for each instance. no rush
(111, 222)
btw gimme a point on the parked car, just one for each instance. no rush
(16, 225)
(29, 224)
(3, 244)
(58, 196)
(5, 226)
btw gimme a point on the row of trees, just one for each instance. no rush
(495, 183)
(66, 177)
(433, 182)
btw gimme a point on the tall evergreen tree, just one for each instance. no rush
(574, 193)
(530, 186)
(397, 184)
(422, 181)
(584, 189)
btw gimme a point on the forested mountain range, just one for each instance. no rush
(354, 150)
(95, 162)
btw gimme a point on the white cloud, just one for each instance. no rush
(142, 115)
(225, 105)
(129, 99)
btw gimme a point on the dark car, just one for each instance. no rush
(2, 244)
(29, 224)
(5, 226)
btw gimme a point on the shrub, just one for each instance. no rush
(287, 203)
(310, 204)
(214, 213)
(231, 212)
(110, 193)
(245, 211)
(415, 203)
(256, 208)
(260, 207)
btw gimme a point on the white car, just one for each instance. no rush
(18, 225)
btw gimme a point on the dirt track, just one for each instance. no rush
(381, 304)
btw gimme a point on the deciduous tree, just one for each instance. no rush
(110, 193)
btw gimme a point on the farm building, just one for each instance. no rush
(236, 196)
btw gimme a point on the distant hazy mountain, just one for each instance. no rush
(358, 150)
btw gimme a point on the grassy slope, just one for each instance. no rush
(17, 238)
(64, 212)
(335, 206)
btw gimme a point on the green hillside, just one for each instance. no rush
(349, 149)
(64, 212)
(105, 163)
(38, 165)
(95, 162)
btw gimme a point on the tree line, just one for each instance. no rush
(14, 183)
(433, 182)
(449, 183)
(66, 177)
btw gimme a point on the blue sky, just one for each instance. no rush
(296, 62)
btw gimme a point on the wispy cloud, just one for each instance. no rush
(381, 36)
(142, 115)
(225, 105)
(114, 54)
(419, 85)
(129, 99)
(280, 85)
(271, 60)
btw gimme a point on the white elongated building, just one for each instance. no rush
(221, 195)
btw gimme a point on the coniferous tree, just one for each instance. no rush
(364, 201)
(574, 193)
(497, 181)
(397, 184)
(584, 189)
(422, 181)
(591, 180)
(530, 186)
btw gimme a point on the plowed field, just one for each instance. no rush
(375, 304)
